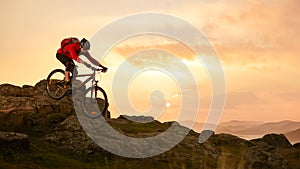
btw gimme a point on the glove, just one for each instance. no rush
(104, 69)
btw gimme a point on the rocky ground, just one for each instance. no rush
(38, 132)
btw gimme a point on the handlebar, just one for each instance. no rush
(94, 68)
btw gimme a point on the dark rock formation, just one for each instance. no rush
(227, 139)
(277, 140)
(69, 135)
(13, 142)
(22, 108)
(297, 145)
(204, 135)
(264, 157)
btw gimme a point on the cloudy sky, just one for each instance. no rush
(256, 41)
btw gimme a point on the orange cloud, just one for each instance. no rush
(250, 31)
(130, 46)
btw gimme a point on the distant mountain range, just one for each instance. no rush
(293, 136)
(255, 129)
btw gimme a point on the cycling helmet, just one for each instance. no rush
(85, 44)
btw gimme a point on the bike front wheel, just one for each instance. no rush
(95, 103)
(56, 86)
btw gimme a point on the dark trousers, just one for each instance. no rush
(69, 63)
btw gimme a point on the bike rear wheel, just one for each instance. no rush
(95, 103)
(56, 86)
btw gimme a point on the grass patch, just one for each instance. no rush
(43, 155)
(135, 128)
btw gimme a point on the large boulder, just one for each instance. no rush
(24, 107)
(20, 113)
(13, 142)
(264, 157)
(10, 90)
(277, 140)
(13, 146)
(297, 145)
(40, 88)
(69, 135)
(28, 91)
(16, 91)
(226, 139)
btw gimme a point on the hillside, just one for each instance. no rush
(293, 136)
(249, 129)
(277, 127)
(38, 132)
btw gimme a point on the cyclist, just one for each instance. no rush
(70, 50)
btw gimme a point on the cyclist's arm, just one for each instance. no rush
(73, 53)
(91, 59)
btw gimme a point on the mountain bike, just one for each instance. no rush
(94, 95)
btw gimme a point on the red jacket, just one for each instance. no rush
(72, 51)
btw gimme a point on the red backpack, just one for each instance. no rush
(68, 41)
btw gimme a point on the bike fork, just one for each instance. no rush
(94, 100)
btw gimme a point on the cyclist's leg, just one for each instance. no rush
(70, 67)
(69, 64)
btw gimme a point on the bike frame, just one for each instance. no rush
(94, 82)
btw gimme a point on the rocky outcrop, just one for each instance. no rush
(264, 157)
(240, 153)
(297, 145)
(14, 91)
(13, 142)
(227, 139)
(27, 106)
(205, 135)
(69, 135)
(277, 140)
(53, 124)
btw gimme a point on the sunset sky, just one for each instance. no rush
(256, 41)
